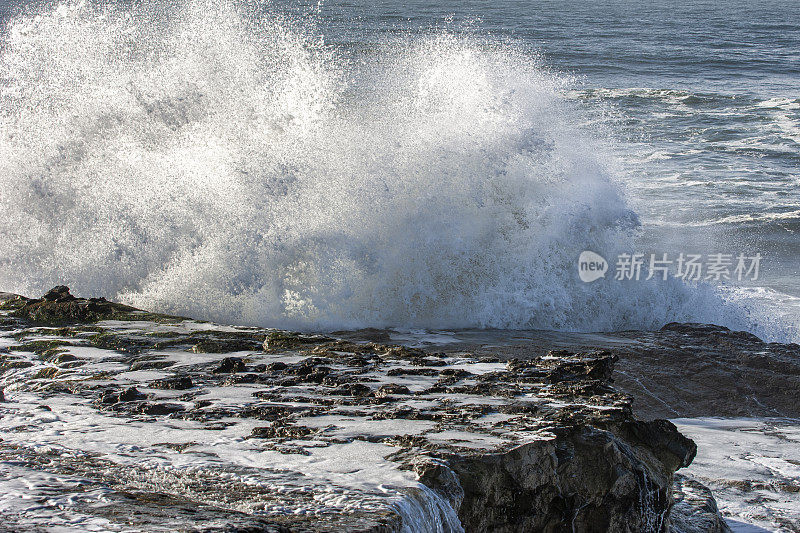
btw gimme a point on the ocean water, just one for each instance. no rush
(429, 165)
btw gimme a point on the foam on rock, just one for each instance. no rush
(313, 433)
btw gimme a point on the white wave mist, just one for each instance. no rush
(202, 160)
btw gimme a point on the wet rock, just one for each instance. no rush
(47, 373)
(151, 364)
(63, 359)
(10, 301)
(357, 361)
(9, 363)
(399, 352)
(118, 342)
(309, 362)
(131, 394)
(58, 294)
(365, 334)
(427, 361)
(662, 438)
(218, 345)
(230, 365)
(286, 340)
(276, 367)
(159, 409)
(45, 348)
(173, 383)
(236, 379)
(300, 369)
(58, 306)
(564, 484)
(334, 380)
(412, 372)
(695, 509)
(710, 330)
(277, 431)
(688, 370)
(519, 365)
(458, 373)
(437, 474)
(353, 389)
(128, 395)
(318, 376)
(392, 389)
(266, 412)
(600, 367)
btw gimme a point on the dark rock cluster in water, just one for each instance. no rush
(681, 370)
(243, 429)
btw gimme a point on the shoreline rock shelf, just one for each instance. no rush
(123, 419)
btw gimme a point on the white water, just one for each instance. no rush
(204, 161)
(751, 465)
(423, 510)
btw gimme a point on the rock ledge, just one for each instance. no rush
(263, 430)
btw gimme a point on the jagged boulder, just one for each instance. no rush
(116, 396)
(587, 479)
(695, 509)
(173, 383)
(230, 365)
(59, 306)
(286, 340)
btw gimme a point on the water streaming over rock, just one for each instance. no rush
(423, 510)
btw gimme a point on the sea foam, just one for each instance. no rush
(205, 160)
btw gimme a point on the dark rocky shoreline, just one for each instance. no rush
(682, 370)
(527, 437)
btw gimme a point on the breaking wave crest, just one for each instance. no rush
(203, 160)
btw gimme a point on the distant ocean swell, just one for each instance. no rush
(231, 167)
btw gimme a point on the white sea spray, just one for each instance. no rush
(195, 158)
